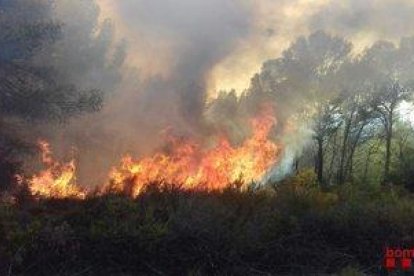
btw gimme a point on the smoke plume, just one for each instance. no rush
(186, 51)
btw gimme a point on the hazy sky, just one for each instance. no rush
(238, 35)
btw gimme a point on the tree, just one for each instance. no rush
(87, 53)
(303, 79)
(30, 90)
(55, 63)
(326, 124)
(386, 102)
(404, 171)
(355, 86)
(392, 88)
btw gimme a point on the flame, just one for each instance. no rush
(186, 164)
(58, 180)
(191, 167)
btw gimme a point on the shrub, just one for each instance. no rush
(298, 228)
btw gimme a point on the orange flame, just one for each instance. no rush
(186, 164)
(191, 167)
(57, 180)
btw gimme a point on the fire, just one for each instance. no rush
(190, 166)
(58, 180)
(185, 164)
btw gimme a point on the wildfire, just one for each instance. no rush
(191, 167)
(185, 164)
(58, 180)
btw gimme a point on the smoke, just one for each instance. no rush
(295, 139)
(366, 21)
(185, 51)
(269, 26)
(278, 23)
(173, 46)
(188, 38)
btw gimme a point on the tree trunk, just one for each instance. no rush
(341, 173)
(332, 159)
(350, 162)
(368, 159)
(387, 155)
(389, 134)
(319, 160)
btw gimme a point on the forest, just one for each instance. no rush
(106, 169)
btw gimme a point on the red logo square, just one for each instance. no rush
(390, 263)
(406, 263)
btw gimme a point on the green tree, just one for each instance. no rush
(30, 90)
(56, 62)
(393, 86)
(303, 80)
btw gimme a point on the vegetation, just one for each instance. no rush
(296, 228)
(347, 193)
(351, 103)
(56, 63)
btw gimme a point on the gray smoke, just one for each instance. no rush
(185, 40)
(190, 37)
(368, 19)
(200, 34)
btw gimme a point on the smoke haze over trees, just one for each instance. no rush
(205, 137)
(71, 59)
(56, 63)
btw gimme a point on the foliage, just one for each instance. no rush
(30, 90)
(351, 103)
(53, 67)
(296, 228)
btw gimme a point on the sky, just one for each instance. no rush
(239, 35)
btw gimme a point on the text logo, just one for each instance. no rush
(398, 258)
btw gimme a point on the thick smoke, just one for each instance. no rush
(265, 28)
(173, 46)
(366, 21)
(199, 34)
(278, 23)
(184, 49)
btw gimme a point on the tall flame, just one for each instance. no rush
(191, 167)
(58, 180)
(186, 164)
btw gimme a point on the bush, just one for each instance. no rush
(298, 228)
